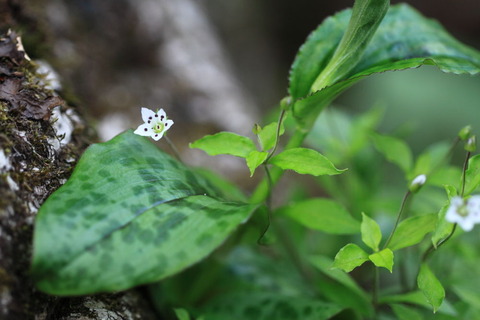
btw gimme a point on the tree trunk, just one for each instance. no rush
(41, 138)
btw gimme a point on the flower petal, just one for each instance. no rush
(147, 114)
(466, 224)
(161, 115)
(157, 136)
(168, 124)
(144, 130)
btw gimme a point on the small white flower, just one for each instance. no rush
(156, 124)
(465, 212)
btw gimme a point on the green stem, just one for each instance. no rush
(376, 287)
(174, 149)
(277, 135)
(399, 215)
(465, 167)
(260, 194)
(430, 249)
(268, 202)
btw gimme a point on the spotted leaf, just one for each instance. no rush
(130, 214)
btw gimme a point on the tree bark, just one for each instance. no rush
(41, 138)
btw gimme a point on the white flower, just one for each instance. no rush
(465, 212)
(156, 124)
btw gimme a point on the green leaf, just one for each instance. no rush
(267, 306)
(405, 39)
(268, 135)
(472, 175)
(344, 290)
(430, 287)
(366, 16)
(447, 175)
(350, 257)
(443, 228)
(419, 299)
(305, 161)
(383, 259)
(322, 214)
(412, 230)
(403, 312)
(337, 43)
(468, 294)
(182, 314)
(255, 159)
(130, 214)
(225, 143)
(429, 160)
(371, 233)
(394, 150)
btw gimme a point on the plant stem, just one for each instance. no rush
(277, 135)
(268, 202)
(376, 287)
(465, 167)
(399, 215)
(260, 194)
(430, 249)
(174, 149)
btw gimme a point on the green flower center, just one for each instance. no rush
(158, 127)
(462, 210)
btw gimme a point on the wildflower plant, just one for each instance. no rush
(132, 215)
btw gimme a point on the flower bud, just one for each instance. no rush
(285, 103)
(417, 183)
(465, 132)
(471, 144)
(256, 129)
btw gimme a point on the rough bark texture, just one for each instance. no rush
(41, 138)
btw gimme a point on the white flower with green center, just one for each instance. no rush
(465, 212)
(156, 124)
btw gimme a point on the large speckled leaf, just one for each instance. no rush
(130, 214)
(404, 39)
(268, 306)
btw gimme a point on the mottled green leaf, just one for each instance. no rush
(394, 150)
(472, 175)
(268, 306)
(254, 159)
(305, 161)
(130, 214)
(371, 233)
(412, 230)
(430, 287)
(268, 135)
(350, 257)
(405, 39)
(322, 214)
(383, 259)
(225, 143)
